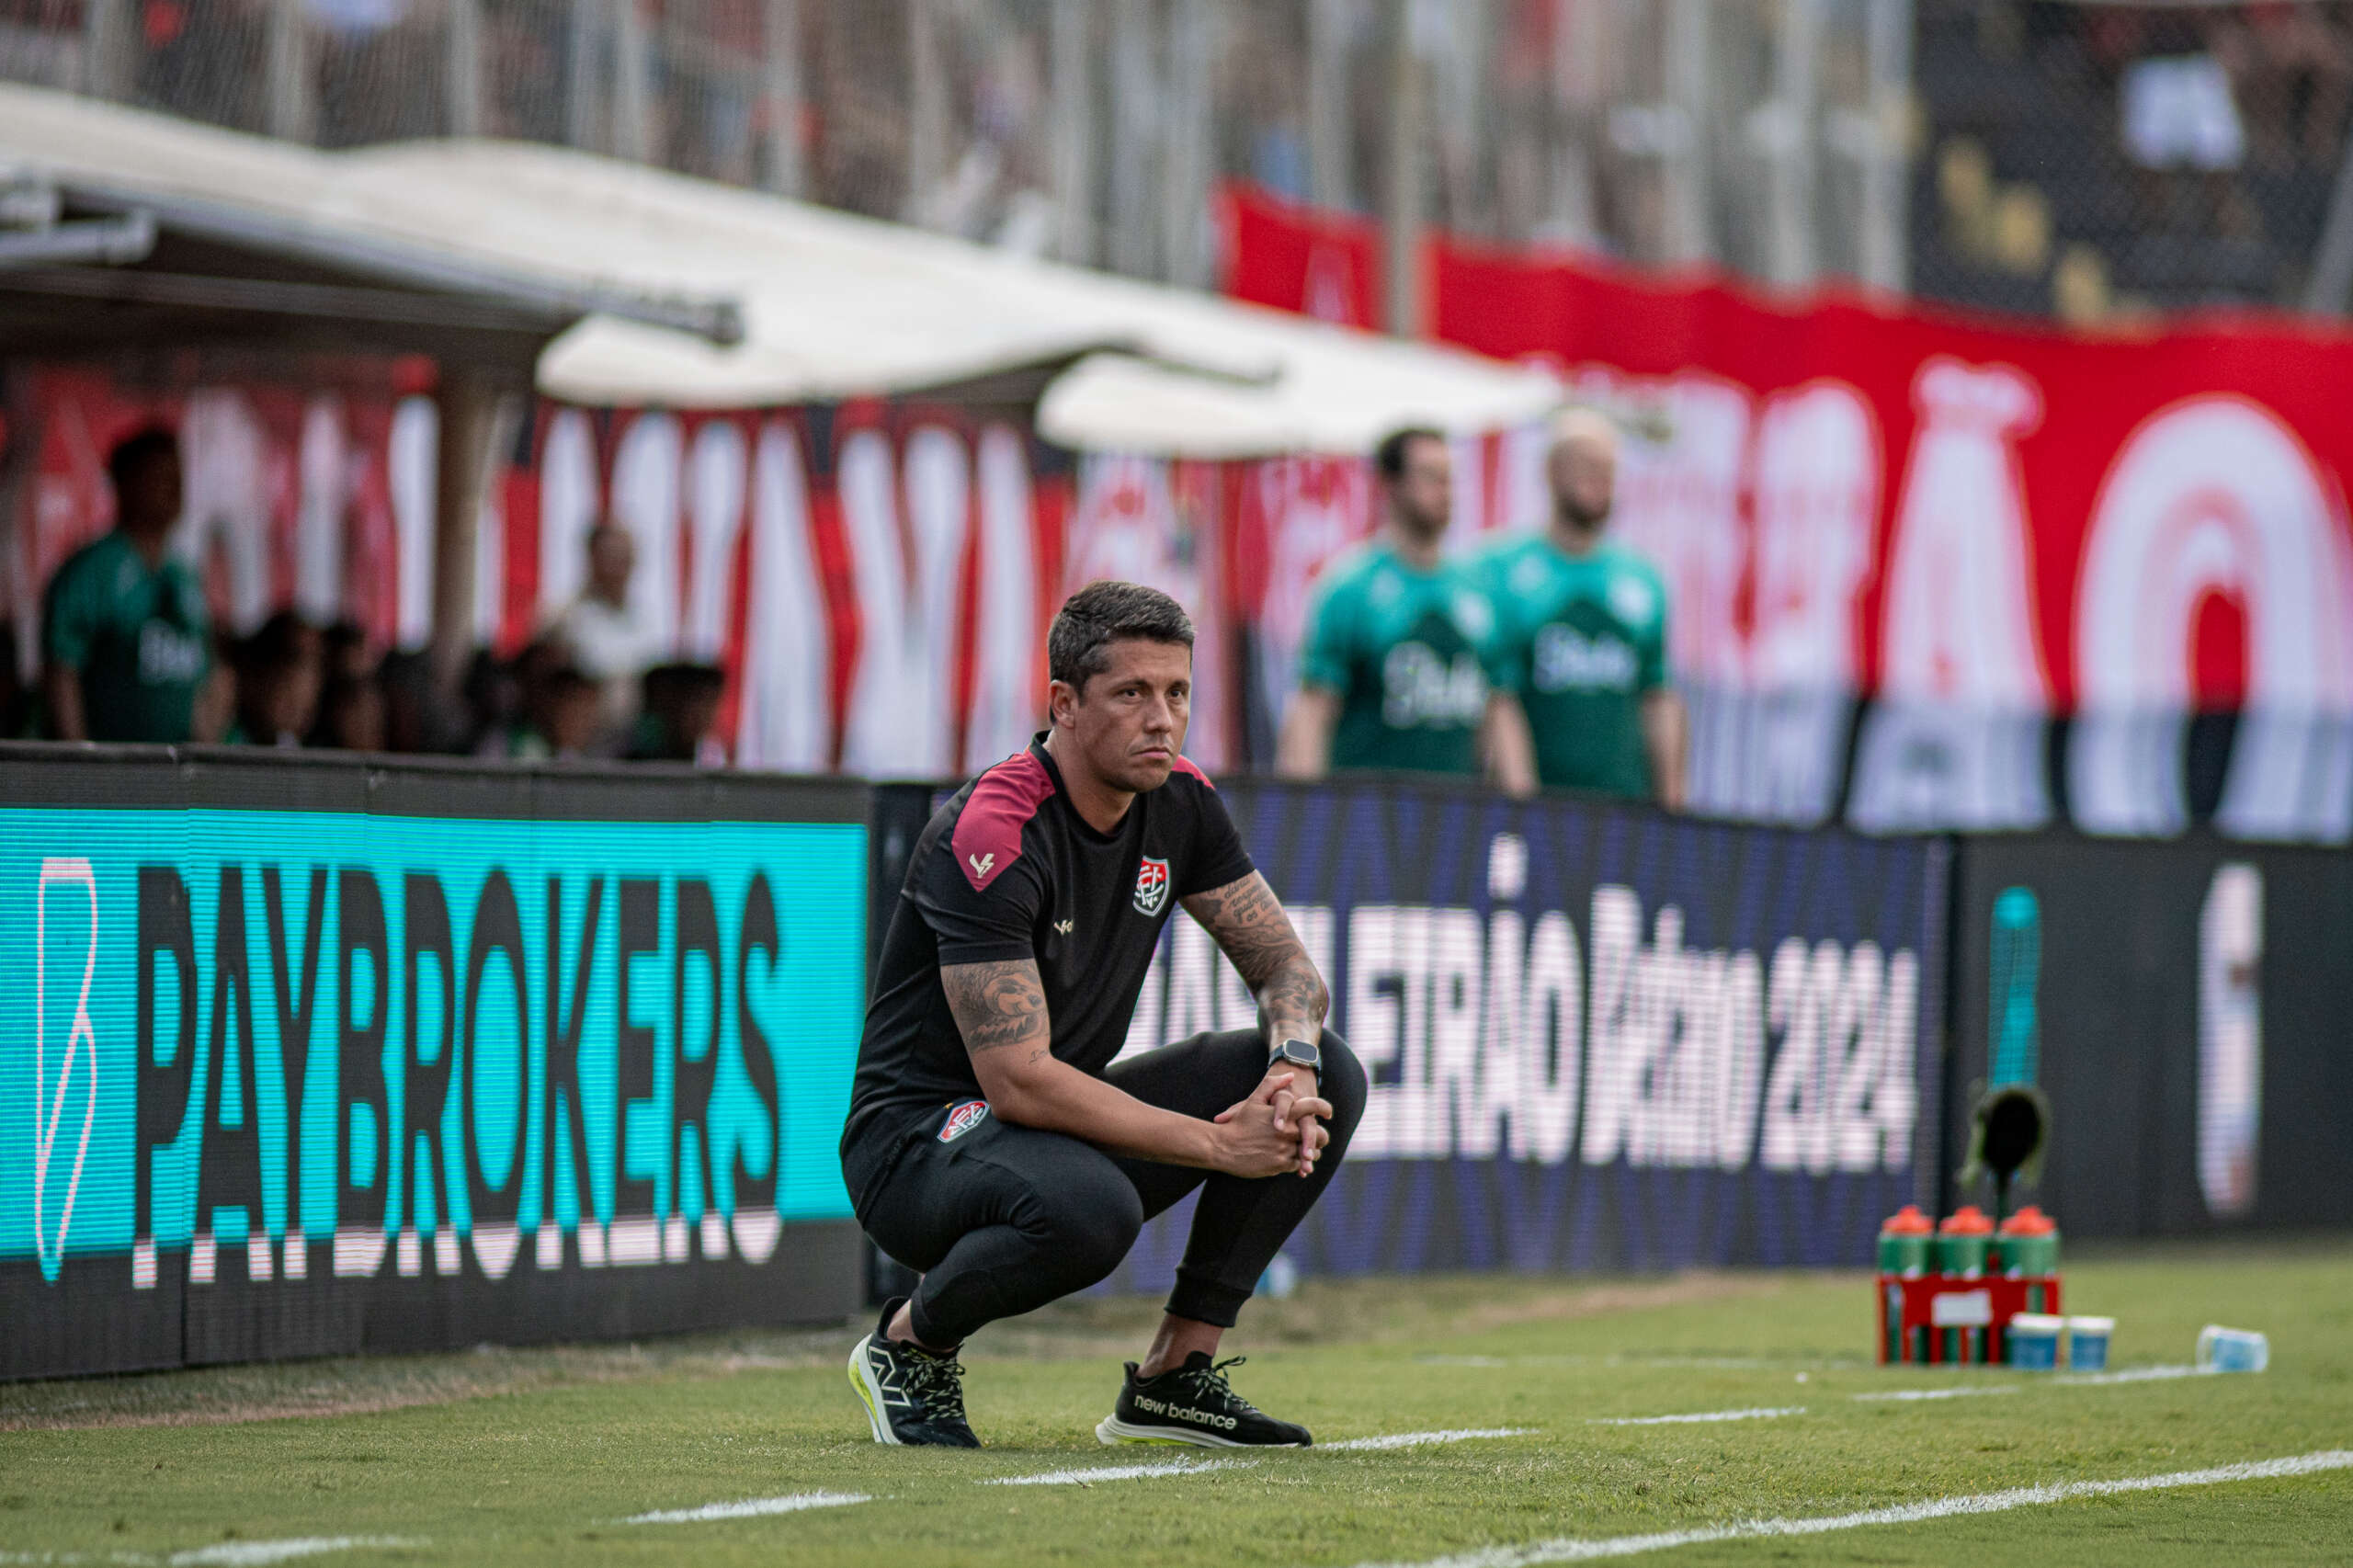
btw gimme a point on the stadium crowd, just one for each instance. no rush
(130, 652)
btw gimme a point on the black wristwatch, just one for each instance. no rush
(1299, 1053)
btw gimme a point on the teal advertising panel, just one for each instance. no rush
(313, 1075)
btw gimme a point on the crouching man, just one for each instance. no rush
(993, 1143)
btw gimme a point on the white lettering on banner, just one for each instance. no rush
(788, 704)
(1775, 752)
(1004, 703)
(1191, 986)
(1314, 508)
(939, 511)
(2230, 1039)
(1817, 511)
(717, 484)
(1678, 506)
(490, 525)
(1487, 1041)
(569, 502)
(887, 730)
(1841, 1095)
(2214, 498)
(649, 472)
(228, 506)
(410, 452)
(1956, 740)
(324, 466)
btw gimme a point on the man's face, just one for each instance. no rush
(1128, 723)
(150, 500)
(1584, 479)
(1423, 496)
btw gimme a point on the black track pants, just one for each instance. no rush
(1002, 1218)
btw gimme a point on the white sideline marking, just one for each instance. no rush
(1110, 1473)
(1568, 1550)
(1941, 1393)
(750, 1508)
(2134, 1375)
(1761, 1415)
(1416, 1439)
(1710, 1363)
(245, 1553)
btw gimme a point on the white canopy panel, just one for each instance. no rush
(832, 305)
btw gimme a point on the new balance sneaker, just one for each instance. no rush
(1194, 1404)
(914, 1397)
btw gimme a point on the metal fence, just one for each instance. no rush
(2078, 158)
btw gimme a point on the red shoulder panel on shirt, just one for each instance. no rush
(1185, 764)
(988, 835)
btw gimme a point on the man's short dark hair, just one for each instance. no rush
(136, 450)
(1389, 458)
(1079, 645)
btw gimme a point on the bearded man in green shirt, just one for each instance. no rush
(124, 632)
(1584, 635)
(1400, 670)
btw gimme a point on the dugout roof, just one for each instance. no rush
(666, 291)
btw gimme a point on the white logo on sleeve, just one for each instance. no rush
(1065, 926)
(981, 863)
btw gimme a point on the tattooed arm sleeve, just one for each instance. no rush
(1248, 922)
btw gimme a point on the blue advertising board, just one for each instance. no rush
(286, 1078)
(1599, 1037)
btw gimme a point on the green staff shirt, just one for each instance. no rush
(1585, 640)
(1412, 654)
(137, 635)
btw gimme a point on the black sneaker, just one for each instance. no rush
(1193, 1403)
(914, 1397)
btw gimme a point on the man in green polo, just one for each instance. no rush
(1584, 635)
(123, 625)
(1399, 664)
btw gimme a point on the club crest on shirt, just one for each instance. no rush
(962, 1119)
(1152, 886)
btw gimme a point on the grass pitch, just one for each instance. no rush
(544, 1456)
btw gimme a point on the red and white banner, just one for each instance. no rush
(876, 579)
(1980, 524)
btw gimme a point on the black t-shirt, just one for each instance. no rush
(1008, 869)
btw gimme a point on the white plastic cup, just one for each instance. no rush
(2088, 1343)
(2033, 1341)
(2223, 1349)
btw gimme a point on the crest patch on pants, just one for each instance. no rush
(962, 1119)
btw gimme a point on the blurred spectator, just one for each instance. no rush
(351, 714)
(123, 628)
(559, 712)
(680, 719)
(351, 654)
(279, 669)
(493, 691)
(564, 717)
(415, 717)
(16, 700)
(611, 643)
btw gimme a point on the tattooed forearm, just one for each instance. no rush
(1295, 996)
(1248, 922)
(998, 1005)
